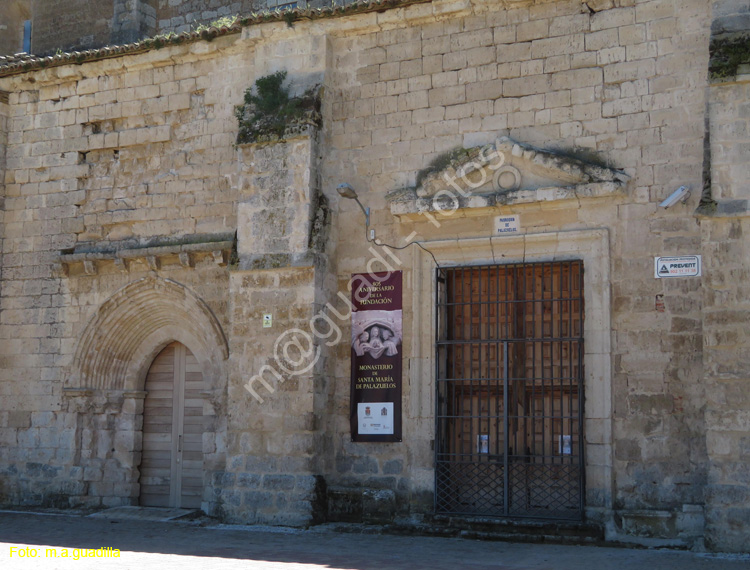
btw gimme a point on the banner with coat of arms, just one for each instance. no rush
(377, 339)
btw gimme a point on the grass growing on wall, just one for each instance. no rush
(268, 109)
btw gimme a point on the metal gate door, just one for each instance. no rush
(509, 390)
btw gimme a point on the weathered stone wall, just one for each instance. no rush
(133, 20)
(70, 25)
(729, 114)
(725, 294)
(182, 16)
(620, 82)
(74, 182)
(725, 244)
(272, 442)
(4, 112)
(11, 25)
(122, 153)
(185, 15)
(275, 464)
(730, 17)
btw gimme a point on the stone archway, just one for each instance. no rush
(106, 383)
(133, 325)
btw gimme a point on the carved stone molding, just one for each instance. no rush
(122, 338)
(504, 173)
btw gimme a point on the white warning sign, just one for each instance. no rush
(683, 266)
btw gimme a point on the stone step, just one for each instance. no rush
(479, 528)
(569, 532)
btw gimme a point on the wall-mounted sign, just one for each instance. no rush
(377, 337)
(683, 266)
(508, 224)
(267, 321)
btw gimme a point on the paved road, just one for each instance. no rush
(183, 546)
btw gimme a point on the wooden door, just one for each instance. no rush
(173, 426)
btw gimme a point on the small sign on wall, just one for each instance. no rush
(507, 224)
(682, 266)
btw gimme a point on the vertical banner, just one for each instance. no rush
(377, 335)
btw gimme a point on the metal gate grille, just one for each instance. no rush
(509, 390)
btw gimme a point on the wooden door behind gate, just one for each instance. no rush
(509, 390)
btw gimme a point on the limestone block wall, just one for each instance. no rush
(729, 109)
(184, 15)
(127, 151)
(11, 27)
(622, 83)
(273, 440)
(724, 236)
(76, 186)
(70, 25)
(275, 460)
(277, 218)
(730, 17)
(133, 20)
(726, 363)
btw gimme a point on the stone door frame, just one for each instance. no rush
(591, 246)
(106, 382)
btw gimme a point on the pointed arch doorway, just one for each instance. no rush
(172, 465)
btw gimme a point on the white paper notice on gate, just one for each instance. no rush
(683, 266)
(375, 417)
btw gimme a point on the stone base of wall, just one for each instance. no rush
(282, 499)
(678, 528)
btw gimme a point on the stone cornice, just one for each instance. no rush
(185, 254)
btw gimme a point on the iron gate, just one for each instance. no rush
(509, 400)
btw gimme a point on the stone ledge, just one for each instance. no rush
(186, 254)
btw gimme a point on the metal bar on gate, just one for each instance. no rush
(506, 474)
(438, 388)
(541, 307)
(581, 481)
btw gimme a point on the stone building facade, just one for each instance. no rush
(133, 220)
(68, 25)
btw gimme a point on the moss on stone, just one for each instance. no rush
(727, 54)
(442, 161)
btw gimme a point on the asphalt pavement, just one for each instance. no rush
(51, 541)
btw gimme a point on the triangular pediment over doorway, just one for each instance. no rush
(503, 173)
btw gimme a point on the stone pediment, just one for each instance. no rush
(501, 173)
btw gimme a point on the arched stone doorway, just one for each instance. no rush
(107, 386)
(172, 464)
